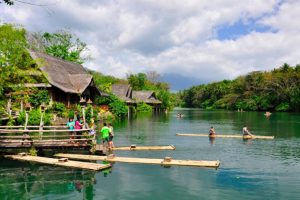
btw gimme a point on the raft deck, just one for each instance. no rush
(225, 136)
(56, 162)
(165, 162)
(135, 148)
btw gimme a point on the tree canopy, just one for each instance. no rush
(274, 90)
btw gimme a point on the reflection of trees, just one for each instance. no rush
(29, 181)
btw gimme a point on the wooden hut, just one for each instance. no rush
(123, 92)
(68, 81)
(147, 97)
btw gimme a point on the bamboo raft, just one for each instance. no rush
(225, 136)
(135, 148)
(167, 161)
(59, 162)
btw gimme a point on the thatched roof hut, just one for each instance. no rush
(68, 76)
(123, 91)
(148, 97)
(68, 80)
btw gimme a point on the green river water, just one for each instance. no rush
(252, 169)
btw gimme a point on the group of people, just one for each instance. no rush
(76, 124)
(107, 133)
(246, 132)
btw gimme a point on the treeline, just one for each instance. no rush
(276, 90)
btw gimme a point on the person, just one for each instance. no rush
(111, 135)
(246, 132)
(71, 126)
(105, 134)
(92, 126)
(268, 114)
(78, 126)
(212, 132)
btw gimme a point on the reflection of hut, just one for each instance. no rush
(67, 80)
(147, 97)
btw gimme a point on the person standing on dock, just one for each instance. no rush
(105, 134)
(71, 126)
(78, 126)
(246, 132)
(212, 132)
(111, 135)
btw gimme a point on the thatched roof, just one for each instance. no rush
(145, 96)
(68, 76)
(123, 91)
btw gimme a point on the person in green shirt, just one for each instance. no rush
(105, 133)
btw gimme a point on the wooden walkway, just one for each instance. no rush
(137, 148)
(165, 162)
(225, 136)
(57, 162)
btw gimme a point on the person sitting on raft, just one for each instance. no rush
(212, 132)
(246, 132)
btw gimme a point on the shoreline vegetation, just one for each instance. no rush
(276, 90)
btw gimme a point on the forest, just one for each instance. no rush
(276, 90)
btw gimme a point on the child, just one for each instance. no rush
(111, 135)
(71, 125)
(105, 134)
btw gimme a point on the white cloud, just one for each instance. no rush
(172, 36)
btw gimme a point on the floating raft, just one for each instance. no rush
(167, 161)
(226, 136)
(60, 162)
(135, 148)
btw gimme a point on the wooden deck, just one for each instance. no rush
(165, 162)
(225, 136)
(56, 162)
(144, 148)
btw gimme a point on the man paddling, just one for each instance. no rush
(246, 133)
(212, 132)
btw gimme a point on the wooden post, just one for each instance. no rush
(21, 106)
(26, 120)
(83, 115)
(68, 98)
(41, 125)
(9, 107)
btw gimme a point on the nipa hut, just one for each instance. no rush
(147, 97)
(68, 81)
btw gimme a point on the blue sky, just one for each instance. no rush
(187, 42)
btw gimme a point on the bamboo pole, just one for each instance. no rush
(135, 148)
(56, 162)
(225, 136)
(167, 161)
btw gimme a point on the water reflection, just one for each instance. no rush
(25, 181)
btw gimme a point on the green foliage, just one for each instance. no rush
(34, 117)
(39, 97)
(59, 108)
(16, 64)
(103, 82)
(144, 108)
(33, 151)
(137, 81)
(117, 106)
(275, 90)
(64, 45)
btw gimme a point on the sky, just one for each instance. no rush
(187, 42)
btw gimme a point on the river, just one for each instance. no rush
(251, 169)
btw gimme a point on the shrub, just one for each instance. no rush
(59, 108)
(34, 118)
(143, 107)
(39, 97)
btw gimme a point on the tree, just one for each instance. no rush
(61, 44)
